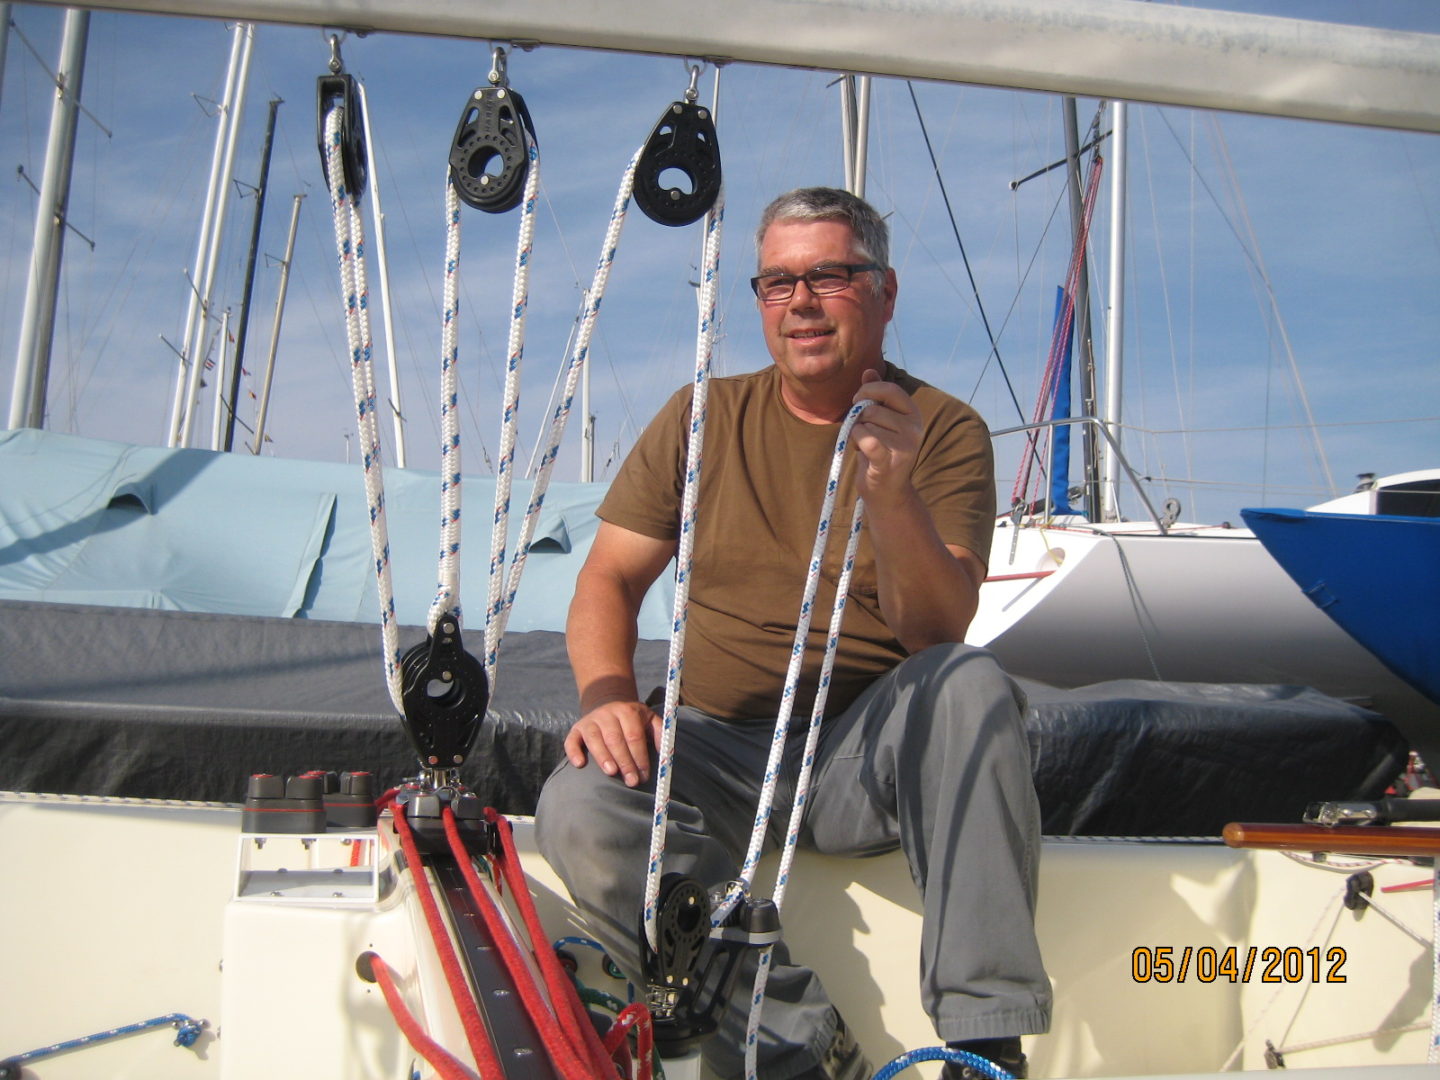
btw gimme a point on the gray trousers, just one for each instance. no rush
(931, 758)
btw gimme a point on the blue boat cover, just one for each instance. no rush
(84, 521)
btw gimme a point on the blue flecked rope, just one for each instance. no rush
(782, 721)
(685, 546)
(573, 369)
(187, 1031)
(942, 1053)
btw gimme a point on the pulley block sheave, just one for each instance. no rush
(339, 90)
(444, 692)
(683, 143)
(489, 156)
(690, 973)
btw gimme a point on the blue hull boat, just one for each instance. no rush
(1377, 575)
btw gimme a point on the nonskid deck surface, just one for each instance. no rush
(117, 913)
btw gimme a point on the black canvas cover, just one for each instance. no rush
(178, 705)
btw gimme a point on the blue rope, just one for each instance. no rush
(943, 1053)
(187, 1031)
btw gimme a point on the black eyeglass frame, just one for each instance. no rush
(851, 269)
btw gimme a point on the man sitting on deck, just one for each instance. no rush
(923, 746)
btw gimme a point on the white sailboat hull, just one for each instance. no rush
(1080, 604)
(120, 910)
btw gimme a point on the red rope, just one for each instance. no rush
(565, 1054)
(634, 1015)
(557, 980)
(475, 1031)
(569, 1055)
(449, 1067)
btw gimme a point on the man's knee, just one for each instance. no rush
(966, 678)
(576, 812)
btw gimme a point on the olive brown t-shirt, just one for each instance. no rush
(762, 482)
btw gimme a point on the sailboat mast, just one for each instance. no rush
(4, 39)
(587, 418)
(37, 328)
(1115, 316)
(222, 369)
(855, 125)
(242, 334)
(275, 331)
(187, 378)
(1082, 315)
(392, 361)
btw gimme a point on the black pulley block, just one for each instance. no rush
(444, 693)
(684, 141)
(489, 156)
(330, 91)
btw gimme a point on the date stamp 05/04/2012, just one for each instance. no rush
(1237, 964)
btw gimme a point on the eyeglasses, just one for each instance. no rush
(822, 281)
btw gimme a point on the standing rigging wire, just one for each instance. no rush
(950, 212)
(1064, 324)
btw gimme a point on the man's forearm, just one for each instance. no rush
(600, 636)
(927, 594)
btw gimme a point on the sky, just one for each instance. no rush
(1279, 272)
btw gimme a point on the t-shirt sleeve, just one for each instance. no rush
(956, 475)
(645, 496)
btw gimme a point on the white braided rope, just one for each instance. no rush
(447, 590)
(684, 560)
(812, 740)
(350, 248)
(561, 415)
(505, 464)
(792, 674)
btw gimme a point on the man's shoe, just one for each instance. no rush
(842, 1059)
(1004, 1053)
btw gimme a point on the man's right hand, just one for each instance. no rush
(618, 736)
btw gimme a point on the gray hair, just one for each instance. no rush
(872, 235)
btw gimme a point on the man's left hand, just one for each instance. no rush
(887, 436)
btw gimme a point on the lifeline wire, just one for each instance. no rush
(684, 559)
(350, 247)
(782, 722)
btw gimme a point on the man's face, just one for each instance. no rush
(823, 339)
